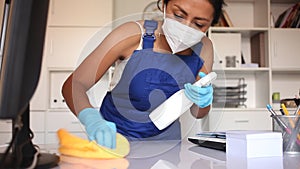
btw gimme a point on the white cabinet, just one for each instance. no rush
(5, 131)
(57, 78)
(81, 13)
(240, 119)
(64, 45)
(62, 119)
(37, 125)
(285, 48)
(39, 100)
(58, 115)
(280, 71)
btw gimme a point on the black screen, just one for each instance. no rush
(23, 38)
(22, 41)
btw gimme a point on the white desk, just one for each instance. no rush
(175, 155)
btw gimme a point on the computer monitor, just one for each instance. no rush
(22, 41)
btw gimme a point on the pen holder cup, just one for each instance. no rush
(291, 135)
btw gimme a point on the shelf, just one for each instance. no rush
(239, 29)
(240, 0)
(59, 110)
(242, 70)
(239, 109)
(284, 1)
(286, 29)
(272, 1)
(244, 31)
(286, 70)
(61, 69)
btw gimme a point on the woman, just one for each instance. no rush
(153, 61)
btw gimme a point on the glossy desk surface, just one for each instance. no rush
(179, 155)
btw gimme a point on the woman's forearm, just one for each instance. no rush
(198, 112)
(75, 96)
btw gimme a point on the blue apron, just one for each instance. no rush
(148, 79)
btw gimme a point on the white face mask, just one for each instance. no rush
(180, 36)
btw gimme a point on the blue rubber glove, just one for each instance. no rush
(201, 96)
(98, 129)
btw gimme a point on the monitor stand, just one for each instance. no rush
(23, 150)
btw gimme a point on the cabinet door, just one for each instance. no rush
(65, 120)
(220, 120)
(5, 125)
(64, 45)
(37, 125)
(285, 48)
(57, 78)
(5, 131)
(5, 138)
(80, 12)
(40, 99)
(37, 121)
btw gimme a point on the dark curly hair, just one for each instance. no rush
(217, 5)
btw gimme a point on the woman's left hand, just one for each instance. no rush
(201, 96)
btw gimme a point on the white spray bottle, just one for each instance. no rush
(176, 105)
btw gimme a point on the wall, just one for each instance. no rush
(125, 8)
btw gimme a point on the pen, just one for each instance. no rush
(297, 112)
(281, 111)
(294, 135)
(281, 123)
(286, 112)
(297, 100)
(290, 119)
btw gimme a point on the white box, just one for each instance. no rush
(254, 163)
(253, 144)
(226, 44)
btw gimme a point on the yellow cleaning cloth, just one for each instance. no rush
(68, 162)
(75, 146)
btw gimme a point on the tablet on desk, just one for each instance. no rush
(209, 142)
